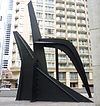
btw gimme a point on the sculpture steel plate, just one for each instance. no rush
(35, 84)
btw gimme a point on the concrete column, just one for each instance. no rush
(68, 79)
(94, 20)
(79, 82)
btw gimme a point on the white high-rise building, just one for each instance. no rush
(7, 32)
(6, 29)
(0, 44)
(66, 19)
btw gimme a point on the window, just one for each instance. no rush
(39, 15)
(85, 59)
(49, 23)
(5, 62)
(18, 63)
(50, 64)
(87, 75)
(39, 7)
(6, 76)
(62, 57)
(50, 2)
(40, 22)
(62, 75)
(51, 74)
(60, 25)
(74, 42)
(40, 1)
(49, 9)
(73, 84)
(49, 31)
(49, 16)
(71, 27)
(83, 42)
(82, 35)
(50, 56)
(86, 65)
(71, 34)
(73, 76)
(60, 33)
(62, 65)
(83, 50)
(30, 38)
(70, 65)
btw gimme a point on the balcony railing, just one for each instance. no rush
(60, 19)
(80, 8)
(70, 13)
(70, 0)
(80, 1)
(72, 35)
(71, 20)
(81, 21)
(81, 14)
(62, 26)
(70, 6)
(71, 27)
(60, 12)
(83, 36)
(60, 5)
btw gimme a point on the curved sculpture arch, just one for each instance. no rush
(68, 48)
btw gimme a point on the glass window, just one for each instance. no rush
(39, 15)
(51, 74)
(49, 16)
(73, 84)
(60, 25)
(62, 57)
(49, 31)
(39, 7)
(62, 75)
(83, 50)
(40, 1)
(6, 76)
(83, 42)
(87, 75)
(50, 64)
(49, 9)
(50, 56)
(30, 38)
(62, 65)
(49, 23)
(86, 65)
(73, 76)
(40, 22)
(50, 2)
(84, 58)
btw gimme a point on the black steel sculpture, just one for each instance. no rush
(35, 84)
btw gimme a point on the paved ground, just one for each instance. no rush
(10, 101)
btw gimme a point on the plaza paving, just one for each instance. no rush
(10, 101)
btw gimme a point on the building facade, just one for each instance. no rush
(7, 33)
(6, 18)
(6, 27)
(65, 19)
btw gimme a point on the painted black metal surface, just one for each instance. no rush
(35, 84)
(67, 47)
(57, 67)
